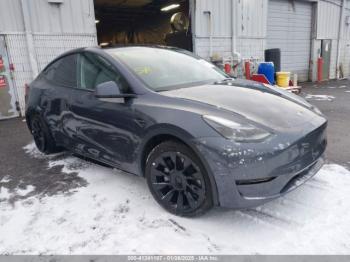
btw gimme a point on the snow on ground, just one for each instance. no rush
(115, 214)
(320, 97)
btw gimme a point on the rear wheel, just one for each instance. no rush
(178, 180)
(42, 136)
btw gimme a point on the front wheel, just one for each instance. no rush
(178, 180)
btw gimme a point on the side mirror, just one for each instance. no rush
(110, 90)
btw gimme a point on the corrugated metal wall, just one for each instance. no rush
(289, 28)
(251, 18)
(345, 45)
(250, 27)
(328, 18)
(11, 16)
(328, 15)
(221, 17)
(72, 16)
(55, 28)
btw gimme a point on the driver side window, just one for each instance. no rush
(94, 70)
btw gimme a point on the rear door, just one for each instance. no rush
(106, 127)
(58, 82)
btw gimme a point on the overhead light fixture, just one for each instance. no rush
(169, 7)
(97, 21)
(104, 44)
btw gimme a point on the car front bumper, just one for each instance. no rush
(248, 175)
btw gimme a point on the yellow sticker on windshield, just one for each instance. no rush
(145, 70)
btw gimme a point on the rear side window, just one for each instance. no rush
(94, 70)
(63, 72)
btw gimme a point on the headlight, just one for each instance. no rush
(236, 131)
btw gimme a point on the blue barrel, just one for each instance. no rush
(268, 70)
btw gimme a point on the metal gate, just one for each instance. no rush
(7, 91)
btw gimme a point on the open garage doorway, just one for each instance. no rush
(143, 22)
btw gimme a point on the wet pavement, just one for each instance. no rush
(18, 169)
(333, 99)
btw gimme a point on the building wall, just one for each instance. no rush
(250, 27)
(250, 18)
(54, 28)
(72, 16)
(345, 43)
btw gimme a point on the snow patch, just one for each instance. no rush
(116, 214)
(5, 179)
(32, 150)
(320, 97)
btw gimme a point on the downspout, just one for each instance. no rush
(236, 57)
(341, 22)
(233, 24)
(210, 34)
(29, 38)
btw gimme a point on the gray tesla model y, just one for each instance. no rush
(200, 138)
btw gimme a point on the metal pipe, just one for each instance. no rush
(233, 24)
(29, 38)
(210, 34)
(341, 22)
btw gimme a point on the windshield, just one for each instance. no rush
(164, 69)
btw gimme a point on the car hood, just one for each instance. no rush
(259, 104)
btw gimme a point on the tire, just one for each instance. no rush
(178, 180)
(42, 136)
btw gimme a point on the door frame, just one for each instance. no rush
(329, 42)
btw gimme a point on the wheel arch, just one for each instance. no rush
(173, 133)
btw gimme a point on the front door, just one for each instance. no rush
(326, 47)
(7, 94)
(107, 127)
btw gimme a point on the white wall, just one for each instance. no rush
(251, 24)
(250, 27)
(72, 16)
(55, 28)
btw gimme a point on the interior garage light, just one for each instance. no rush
(97, 21)
(169, 7)
(104, 44)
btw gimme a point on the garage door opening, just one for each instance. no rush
(144, 22)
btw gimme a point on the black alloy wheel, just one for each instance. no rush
(38, 134)
(42, 136)
(177, 180)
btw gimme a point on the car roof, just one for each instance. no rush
(81, 49)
